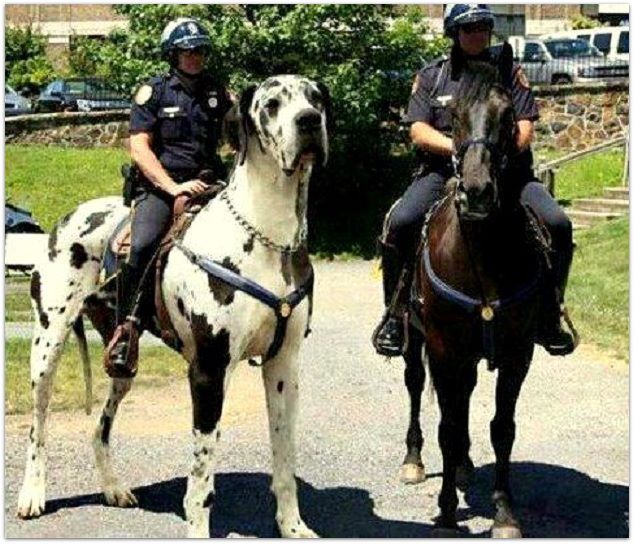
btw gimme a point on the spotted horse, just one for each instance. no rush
(252, 238)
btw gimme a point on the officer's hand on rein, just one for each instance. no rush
(192, 187)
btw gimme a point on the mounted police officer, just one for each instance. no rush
(175, 125)
(470, 27)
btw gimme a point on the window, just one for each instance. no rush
(584, 37)
(532, 52)
(569, 48)
(602, 42)
(55, 87)
(624, 42)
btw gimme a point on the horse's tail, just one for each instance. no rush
(80, 333)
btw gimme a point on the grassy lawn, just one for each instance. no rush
(598, 292)
(51, 181)
(589, 175)
(157, 365)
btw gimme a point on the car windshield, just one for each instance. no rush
(571, 48)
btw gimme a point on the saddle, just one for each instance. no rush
(118, 248)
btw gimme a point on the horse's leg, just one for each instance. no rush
(447, 384)
(208, 381)
(115, 493)
(281, 383)
(413, 471)
(465, 468)
(509, 383)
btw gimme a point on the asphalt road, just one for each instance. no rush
(570, 473)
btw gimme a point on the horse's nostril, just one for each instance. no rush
(308, 120)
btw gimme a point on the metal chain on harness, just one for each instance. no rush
(262, 238)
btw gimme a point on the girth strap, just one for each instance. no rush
(282, 306)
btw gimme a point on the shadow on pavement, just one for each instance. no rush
(550, 501)
(555, 501)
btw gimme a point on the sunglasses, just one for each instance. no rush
(471, 28)
(195, 51)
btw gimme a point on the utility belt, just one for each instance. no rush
(134, 182)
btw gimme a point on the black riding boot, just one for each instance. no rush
(553, 337)
(389, 336)
(122, 352)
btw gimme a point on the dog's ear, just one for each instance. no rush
(244, 125)
(325, 93)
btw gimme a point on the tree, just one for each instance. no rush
(580, 22)
(26, 64)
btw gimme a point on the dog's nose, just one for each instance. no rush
(308, 120)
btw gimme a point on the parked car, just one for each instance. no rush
(19, 220)
(612, 41)
(80, 94)
(14, 103)
(566, 60)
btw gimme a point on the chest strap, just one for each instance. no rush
(282, 306)
(472, 305)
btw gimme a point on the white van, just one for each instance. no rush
(612, 41)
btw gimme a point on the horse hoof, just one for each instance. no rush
(445, 532)
(506, 531)
(412, 473)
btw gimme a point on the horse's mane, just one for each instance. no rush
(478, 79)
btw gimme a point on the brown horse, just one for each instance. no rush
(476, 293)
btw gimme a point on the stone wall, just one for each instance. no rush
(93, 129)
(572, 118)
(576, 117)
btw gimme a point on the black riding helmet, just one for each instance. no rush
(183, 34)
(457, 15)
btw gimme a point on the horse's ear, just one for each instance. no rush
(245, 124)
(231, 127)
(505, 64)
(325, 93)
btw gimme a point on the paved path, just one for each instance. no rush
(571, 462)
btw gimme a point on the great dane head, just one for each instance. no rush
(288, 117)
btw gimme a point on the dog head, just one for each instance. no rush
(289, 117)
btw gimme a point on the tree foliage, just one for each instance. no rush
(580, 22)
(26, 64)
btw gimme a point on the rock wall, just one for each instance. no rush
(93, 129)
(576, 117)
(572, 118)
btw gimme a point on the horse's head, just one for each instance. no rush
(483, 135)
(289, 117)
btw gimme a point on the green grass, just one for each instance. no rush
(598, 292)
(157, 365)
(588, 176)
(51, 181)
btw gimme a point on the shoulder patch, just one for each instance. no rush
(521, 79)
(143, 94)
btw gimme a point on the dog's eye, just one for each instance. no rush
(272, 105)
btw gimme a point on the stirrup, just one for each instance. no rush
(122, 353)
(393, 350)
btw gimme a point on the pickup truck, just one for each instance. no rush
(564, 61)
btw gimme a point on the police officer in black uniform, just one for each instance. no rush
(470, 27)
(175, 125)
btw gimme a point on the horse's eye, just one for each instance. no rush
(272, 105)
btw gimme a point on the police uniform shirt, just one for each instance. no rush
(185, 127)
(434, 87)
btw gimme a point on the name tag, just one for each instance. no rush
(171, 111)
(444, 100)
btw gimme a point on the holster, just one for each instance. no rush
(130, 173)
